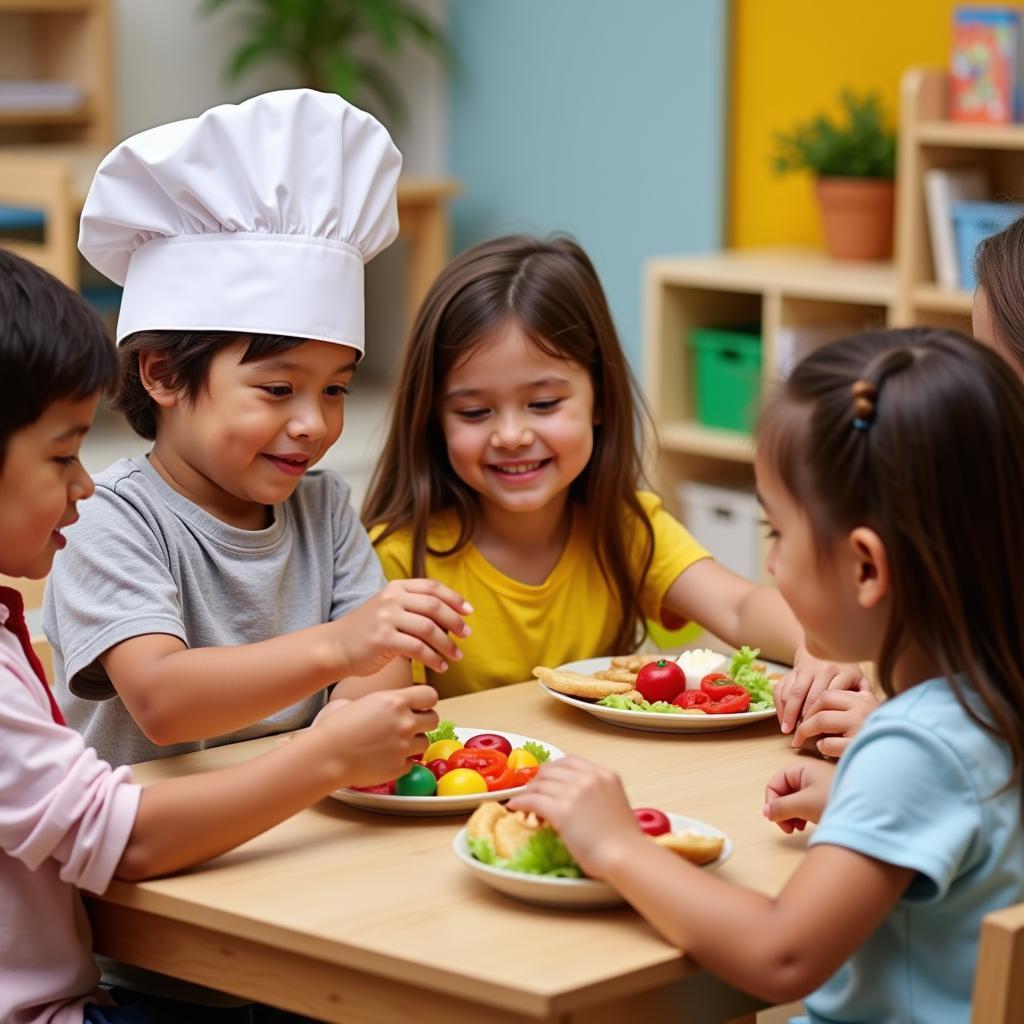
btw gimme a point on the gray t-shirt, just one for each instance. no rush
(144, 559)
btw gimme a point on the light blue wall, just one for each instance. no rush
(604, 118)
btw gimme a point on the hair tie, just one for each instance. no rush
(864, 399)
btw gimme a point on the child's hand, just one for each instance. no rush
(407, 619)
(838, 716)
(375, 736)
(587, 806)
(801, 687)
(798, 793)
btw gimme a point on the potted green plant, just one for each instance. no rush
(854, 160)
(331, 44)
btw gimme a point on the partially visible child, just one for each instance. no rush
(872, 464)
(68, 821)
(511, 473)
(216, 587)
(998, 314)
(832, 716)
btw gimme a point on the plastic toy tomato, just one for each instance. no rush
(382, 788)
(461, 782)
(725, 698)
(652, 821)
(660, 680)
(439, 766)
(419, 780)
(441, 748)
(692, 699)
(489, 741)
(512, 777)
(489, 763)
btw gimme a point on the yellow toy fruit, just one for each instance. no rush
(440, 749)
(520, 758)
(461, 782)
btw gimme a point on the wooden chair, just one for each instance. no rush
(999, 977)
(32, 592)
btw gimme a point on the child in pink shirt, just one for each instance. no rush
(68, 821)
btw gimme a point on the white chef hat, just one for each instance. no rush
(256, 217)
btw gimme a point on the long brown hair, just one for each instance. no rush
(919, 435)
(999, 267)
(549, 289)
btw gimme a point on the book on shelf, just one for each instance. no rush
(944, 186)
(987, 79)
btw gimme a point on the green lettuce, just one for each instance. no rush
(755, 682)
(622, 703)
(445, 731)
(543, 853)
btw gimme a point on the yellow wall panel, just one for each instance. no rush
(790, 60)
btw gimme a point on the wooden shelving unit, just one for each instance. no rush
(58, 41)
(785, 290)
(928, 141)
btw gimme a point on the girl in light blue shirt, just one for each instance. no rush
(889, 466)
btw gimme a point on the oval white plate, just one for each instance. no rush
(570, 892)
(440, 804)
(653, 721)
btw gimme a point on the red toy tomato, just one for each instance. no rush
(488, 741)
(512, 778)
(726, 698)
(490, 764)
(692, 699)
(383, 788)
(439, 766)
(660, 680)
(651, 821)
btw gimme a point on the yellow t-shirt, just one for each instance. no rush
(572, 614)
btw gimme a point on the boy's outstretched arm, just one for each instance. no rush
(178, 694)
(184, 821)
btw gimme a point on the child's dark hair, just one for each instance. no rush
(999, 267)
(550, 290)
(53, 346)
(919, 435)
(183, 365)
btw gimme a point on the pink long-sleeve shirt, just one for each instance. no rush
(65, 818)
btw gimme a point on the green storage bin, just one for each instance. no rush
(728, 376)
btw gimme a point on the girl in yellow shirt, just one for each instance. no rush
(511, 473)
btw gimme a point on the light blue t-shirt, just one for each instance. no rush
(919, 788)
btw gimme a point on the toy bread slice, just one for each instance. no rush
(696, 848)
(634, 662)
(617, 675)
(573, 684)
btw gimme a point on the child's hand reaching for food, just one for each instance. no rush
(798, 793)
(836, 716)
(587, 806)
(799, 689)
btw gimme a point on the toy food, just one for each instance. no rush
(484, 763)
(661, 685)
(517, 841)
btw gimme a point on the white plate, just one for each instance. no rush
(653, 721)
(569, 892)
(440, 804)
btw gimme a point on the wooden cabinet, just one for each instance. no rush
(57, 41)
(796, 297)
(928, 140)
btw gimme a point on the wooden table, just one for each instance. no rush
(355, 917)
(55, 180)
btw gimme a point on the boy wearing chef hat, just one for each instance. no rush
(216, 587)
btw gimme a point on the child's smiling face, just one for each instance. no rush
(255, 428)
(41, 479)
(518, 422)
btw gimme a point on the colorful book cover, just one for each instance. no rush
(986, 77)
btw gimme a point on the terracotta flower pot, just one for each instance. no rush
(857, 215)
